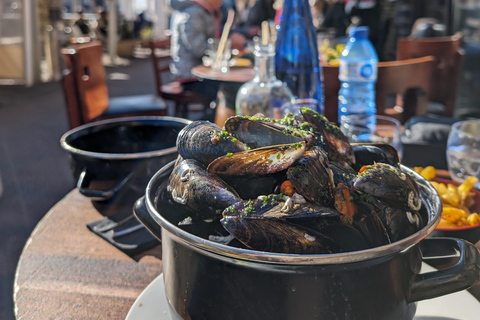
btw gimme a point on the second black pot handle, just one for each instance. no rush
(462, 275)
(141, 212)
(99, 195)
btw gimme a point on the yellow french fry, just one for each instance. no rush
(451, 197)
(440, 187)
(418, 169)
(456, 211)
(464, 188)
(428, 173)
(446, 224)
(452, 217)
(473, 219)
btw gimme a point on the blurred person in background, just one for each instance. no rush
(81, 25)
(193, 22)
(335, 17)
(101, 31)
(249, 27)
(369, 12)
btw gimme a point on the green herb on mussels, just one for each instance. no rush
(231, 209)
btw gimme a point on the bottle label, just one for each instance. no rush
(357, 71)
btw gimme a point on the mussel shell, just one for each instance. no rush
(368, 154)
(264, 160)
(204, 141)
(312, 177)
(360, 217)
(330, 137)
(398, 223)
(204, 194)
(388, 183)
(346, 237)
(260, 132)
(370, 226)
(267, 224)
(342, 174)
(257, 171)
(278, 236)
(278, 207)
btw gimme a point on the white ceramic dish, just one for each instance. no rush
(152, 304)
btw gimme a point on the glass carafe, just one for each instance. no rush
(264, 94)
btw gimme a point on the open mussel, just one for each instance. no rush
(398, 223)
(257, 171)
(205, 141)
(312, 177)
(382, 203)
(263, 132)
(330, 137)
(204, 194)
(390, 184)
(360, 217)
(370, 153)
(265, 224)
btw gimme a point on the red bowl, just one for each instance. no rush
(475, 208)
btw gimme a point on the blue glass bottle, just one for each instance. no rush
(297, 61)
(358, 75)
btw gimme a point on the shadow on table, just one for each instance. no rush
(119, 227)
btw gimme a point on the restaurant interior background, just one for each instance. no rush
(32, 32)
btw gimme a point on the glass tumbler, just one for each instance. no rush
(463, 150)
(373, 129)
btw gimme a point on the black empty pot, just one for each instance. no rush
(106, 156)
(208, 280)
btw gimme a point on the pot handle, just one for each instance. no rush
(462, 275)
(141, 212)
(99, 195)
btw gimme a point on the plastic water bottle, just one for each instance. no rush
(297, 61)
(358, 74)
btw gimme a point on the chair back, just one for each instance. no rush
(71, 95)
(85, 78)
(160, 55)
(409, 78)
(448, 63)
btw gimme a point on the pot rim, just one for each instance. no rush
(210, 247)
(89, 127)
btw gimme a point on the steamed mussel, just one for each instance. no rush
(293, 185)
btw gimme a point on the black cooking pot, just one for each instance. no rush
(106, 156)
(207, 280)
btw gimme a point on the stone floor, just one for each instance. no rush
(34, 169)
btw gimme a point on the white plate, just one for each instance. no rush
(152, 304)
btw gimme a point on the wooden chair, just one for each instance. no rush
(446, 71)
(173, 91)
(86, 94)
(409, 78)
